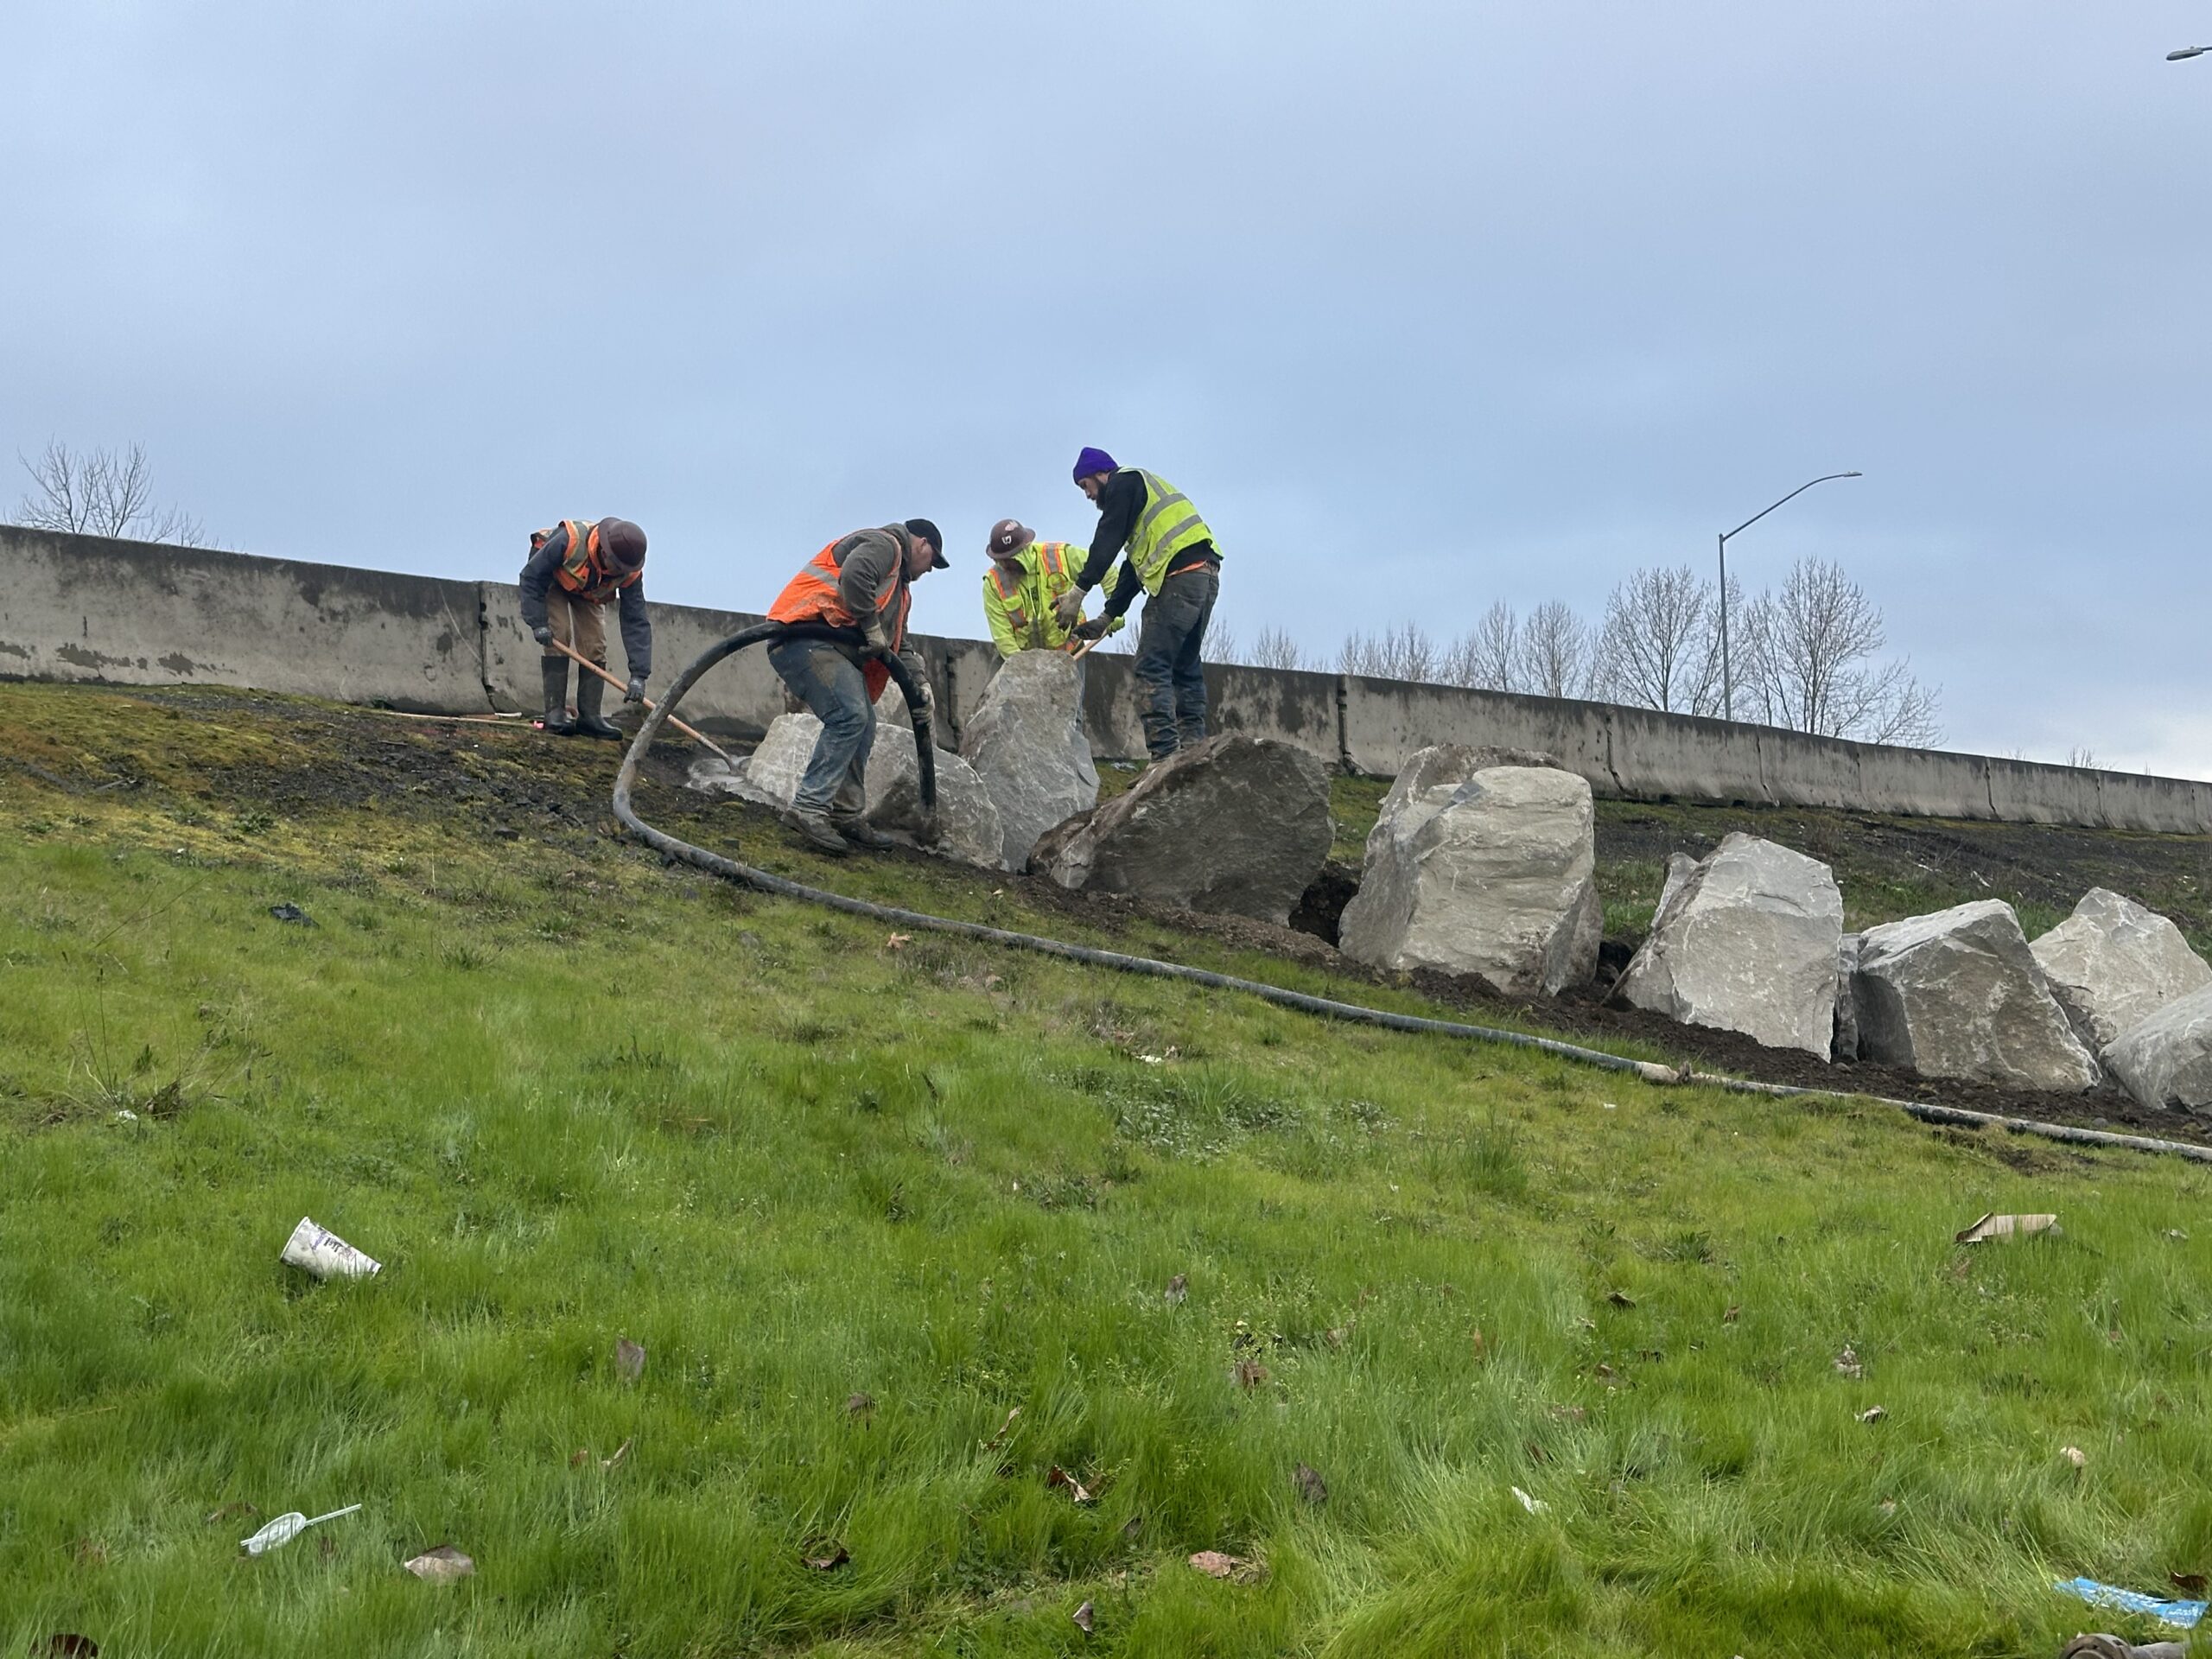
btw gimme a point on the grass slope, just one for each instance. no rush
(861, 1201)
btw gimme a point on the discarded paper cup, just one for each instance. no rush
(316, 1249)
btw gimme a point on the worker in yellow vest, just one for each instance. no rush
(1023, 584)
(863, 582)
(573, 569)
(1173, 558)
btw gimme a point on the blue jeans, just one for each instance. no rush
(1171, 679)
(827, 682)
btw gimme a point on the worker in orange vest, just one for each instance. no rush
(863, 581)
(573, 569)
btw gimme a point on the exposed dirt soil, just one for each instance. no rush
(515, 783)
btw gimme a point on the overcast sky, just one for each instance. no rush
(1426, 305)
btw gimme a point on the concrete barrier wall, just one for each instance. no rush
(78, 607)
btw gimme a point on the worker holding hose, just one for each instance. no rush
(573, 570)
(1171, 556)
(861, 581)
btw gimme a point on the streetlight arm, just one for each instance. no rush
(1792, 496)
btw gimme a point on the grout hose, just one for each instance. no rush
(926, 755)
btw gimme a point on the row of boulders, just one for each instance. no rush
(1484, 861)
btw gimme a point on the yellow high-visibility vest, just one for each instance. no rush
(1018, 594)
(1168, 525)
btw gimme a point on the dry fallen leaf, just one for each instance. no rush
(1083, 1618)
(1006, 1427)
(1177, 1288)
(1568, 1414)
(1077, 1490)
(2189, 1584)
(1249, 1373)
(1536, 1453)
(1992, 1226)
(1605, 1371)
(860, 1405)
(441, 1565)
(898, 941)
(1620, 1298)
(1847, 1363)
(615, 1462)
(1311, 1486)
(1730, 1317)
(579, 1457)
(629, 1359)
(1475, 1341)
(229, 1512)
(1872, 1415)
(90, 1553)
(1132, 1527)
(2074, 1455)
(834, 1555)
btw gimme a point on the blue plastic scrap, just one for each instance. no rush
(2180, 1614)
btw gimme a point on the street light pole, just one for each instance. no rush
(1727, 669)
(2188, 52)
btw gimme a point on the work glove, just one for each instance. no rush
(929, 696)
(543, 636)
(1068, 606)
(635, 691)
(873, 639)
(1098, 628)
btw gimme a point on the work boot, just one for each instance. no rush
(589, 689)
(815, 828)
(555, 670)
(859, 831)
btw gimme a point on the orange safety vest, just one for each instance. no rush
(584, 570)
(812, 596)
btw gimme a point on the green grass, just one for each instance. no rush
(569, 1097)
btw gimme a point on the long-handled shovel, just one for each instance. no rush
(689, 732)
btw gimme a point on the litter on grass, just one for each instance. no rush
(2181, 1615)
(1993, 1225)
(285, 1527)
(313, 1248)
(1534, 1505)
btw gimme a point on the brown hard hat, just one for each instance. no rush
(1008, 537)
(623, 542)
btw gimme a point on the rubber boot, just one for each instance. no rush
(861, 833)
(555, 670)
(589, 689)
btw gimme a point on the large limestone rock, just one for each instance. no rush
(1491, 874)
(1846, 1045)
(1445, 763)
(1680, 868)
(2166, 1060)
(1747, 942)
(2113, 964)
(1236, 825)
(1026, 741)
(967, 822)
(1957, 995)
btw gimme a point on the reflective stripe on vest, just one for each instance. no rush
(583, 567)
(812, 596)
(1168, 525)
(1009, 579)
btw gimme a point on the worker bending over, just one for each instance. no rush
(1023, 586)
(574, 568)
(862, 580)
(1171, 555)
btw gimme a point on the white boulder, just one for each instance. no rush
(966, 825)
(1747, 942)
(1957, 995)
(2166, 1060)
(2113, 964)
(1026, 741)
(1492, 874)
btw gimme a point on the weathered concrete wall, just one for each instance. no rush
(76, 608)
(81, 607)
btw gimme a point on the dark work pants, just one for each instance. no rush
(1171, 679)
(827, 682)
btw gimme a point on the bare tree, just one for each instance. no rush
(1557, 651)
(1221, 646)
(2084, 758)
(1660, 647)
(102, 493)
(1276, 649)
(1487, 657)
(1810, 651)
(1405, 652)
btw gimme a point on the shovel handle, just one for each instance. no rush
(688, 731)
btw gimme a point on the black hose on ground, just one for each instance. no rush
(730, 869)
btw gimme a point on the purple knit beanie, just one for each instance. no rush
(1093, 461)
